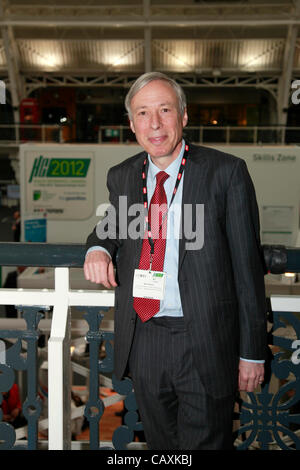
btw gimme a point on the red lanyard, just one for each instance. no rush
(178, 179)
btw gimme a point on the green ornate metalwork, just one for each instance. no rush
(272, 420)
(14, 361)
(124, 434)
(94, 408)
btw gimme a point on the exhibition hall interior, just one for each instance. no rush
(65, 70)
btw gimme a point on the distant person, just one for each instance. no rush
(12, 408)
(16, 227)
(11, 282)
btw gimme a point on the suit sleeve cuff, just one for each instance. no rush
(252, 360)
(97, 248)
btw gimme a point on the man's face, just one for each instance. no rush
(157, 122)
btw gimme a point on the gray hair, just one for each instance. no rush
(148, 77)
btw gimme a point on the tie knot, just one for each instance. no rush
(161, 177)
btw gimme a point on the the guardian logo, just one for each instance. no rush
(2, 92)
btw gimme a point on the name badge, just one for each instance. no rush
(149, 284)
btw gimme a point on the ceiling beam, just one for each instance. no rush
(199, 6)
(129, 22)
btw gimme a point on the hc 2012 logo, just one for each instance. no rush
(296, 94)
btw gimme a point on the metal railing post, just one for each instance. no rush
(17, 133)
(201, 135)
(283, 129)
(59, 390)
(255, 134)
(227, 134)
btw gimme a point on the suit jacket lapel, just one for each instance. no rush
(194, 188)
(138, 197)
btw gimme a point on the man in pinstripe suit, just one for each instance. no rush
(208, 338)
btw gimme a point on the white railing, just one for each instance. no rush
(214, 134)
(285, 303)
(18, 133)
(61, 298)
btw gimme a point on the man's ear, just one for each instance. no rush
(131, 126)
(185, 118)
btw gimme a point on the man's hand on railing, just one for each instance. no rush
(251, 374)
(98, 268)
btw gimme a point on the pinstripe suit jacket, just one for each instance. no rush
(221, 285)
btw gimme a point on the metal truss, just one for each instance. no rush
(270, 83)
(33, 82)
(145, 14)
(87, 80)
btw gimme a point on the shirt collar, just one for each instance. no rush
(172, 170)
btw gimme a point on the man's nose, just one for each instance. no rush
(155, 121)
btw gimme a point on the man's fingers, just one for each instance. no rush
(102, 274)
(87, 269)
(91, 272)
(98, 268)
(247, 385)
(244, 384)
(111, 275)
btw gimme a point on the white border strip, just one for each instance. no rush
(285, 303)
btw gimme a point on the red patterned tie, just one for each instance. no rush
(146, 308)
